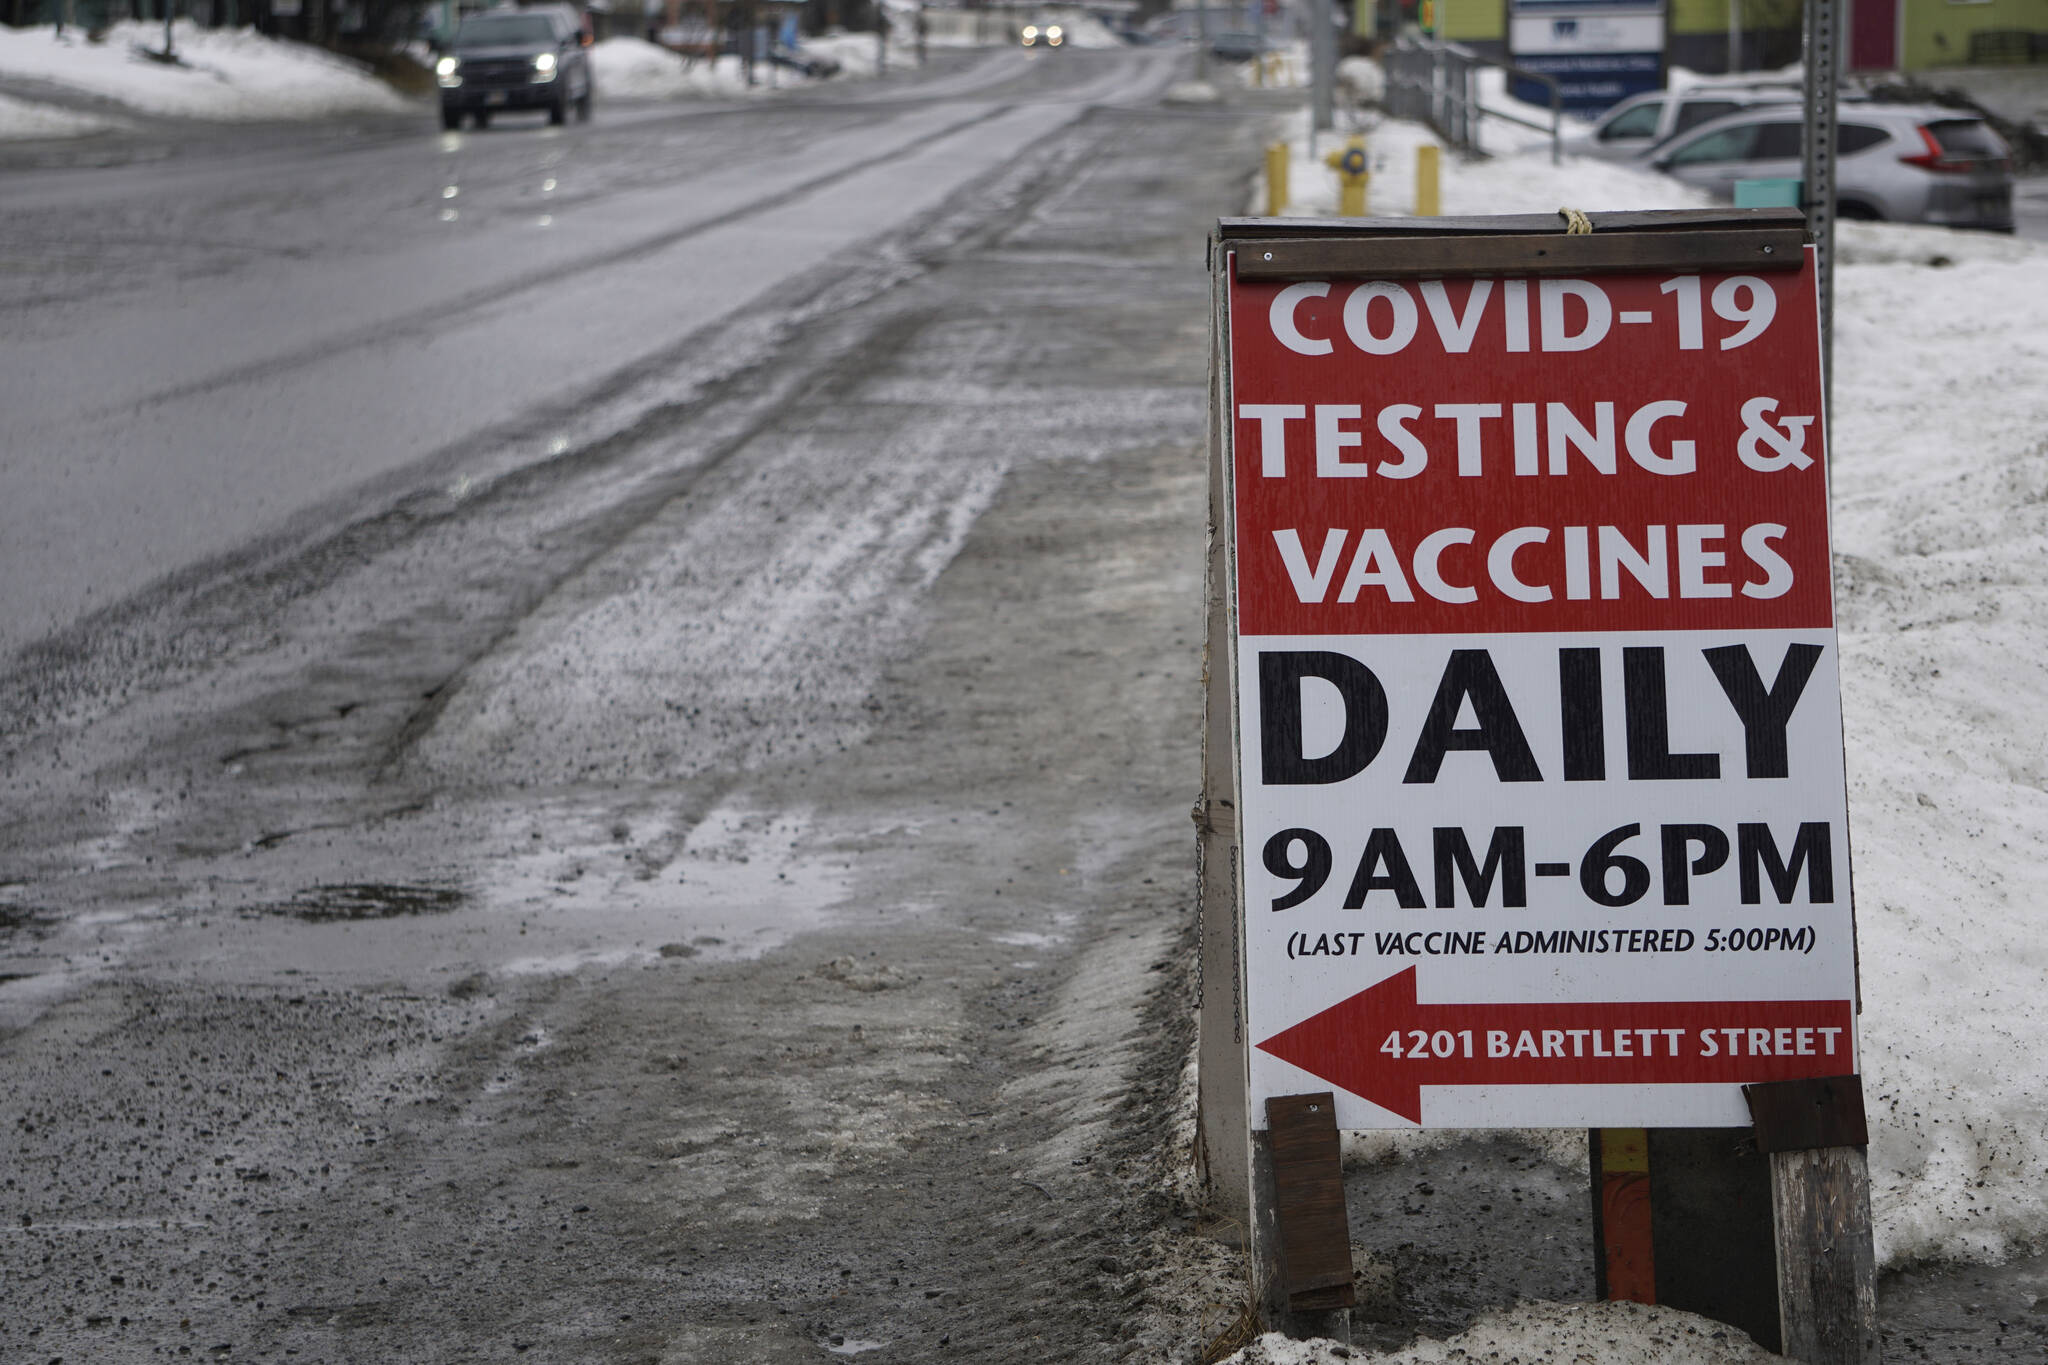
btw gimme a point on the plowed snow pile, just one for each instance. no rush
(21, 119)
(633, 68)
(1941, 584)
(223, 74)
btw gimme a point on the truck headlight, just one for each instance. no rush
(449, 72)
(544, 67)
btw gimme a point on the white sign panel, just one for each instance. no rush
(1543, 810)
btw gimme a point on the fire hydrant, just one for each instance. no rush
(1350, 166)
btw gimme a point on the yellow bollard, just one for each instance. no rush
(1428, 202)
(1276, 179)
(1350, 166)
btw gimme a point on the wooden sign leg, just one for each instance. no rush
(1816, 1136)
(1221, 1114)
(1301, 1232)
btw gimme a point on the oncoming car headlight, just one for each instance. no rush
(449, 71)
(1030, 34)
(1053, 34)
(544, 66)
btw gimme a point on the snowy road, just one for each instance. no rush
(207, 350)
(644, 840)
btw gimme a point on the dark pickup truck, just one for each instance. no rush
(535, 58)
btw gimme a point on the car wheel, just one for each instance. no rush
(558, 112)
(481, 118)
(451, 119)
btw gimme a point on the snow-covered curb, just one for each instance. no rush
(633, 68)
(19, 119)
(228, 75)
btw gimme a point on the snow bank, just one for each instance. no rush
(1940, 474)
(1498, 134)
(1684, 78)
(1523, 181)
(230, 75)
(1285, 66)
(1078, 29)
(1940, 470)
(633, 68)
(1358, 78)
(19, 119)
(1545, 1334)
(855, 52)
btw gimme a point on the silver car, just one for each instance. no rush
(1897, 163)
(1642, 121)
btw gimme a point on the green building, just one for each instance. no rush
(1882, 35)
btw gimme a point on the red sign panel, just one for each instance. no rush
(1621, 453)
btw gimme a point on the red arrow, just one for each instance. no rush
(1354, 1044)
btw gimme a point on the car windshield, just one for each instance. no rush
(509, 30)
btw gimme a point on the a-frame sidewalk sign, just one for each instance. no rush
(1524, 802)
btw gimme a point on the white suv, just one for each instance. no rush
(1642, 121)
(1896, 163)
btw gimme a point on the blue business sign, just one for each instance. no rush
(1599, 51)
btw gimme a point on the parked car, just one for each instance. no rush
(1236, 46)
(803, 63)
(535, 58)
(1898, 163)
(1640, 122)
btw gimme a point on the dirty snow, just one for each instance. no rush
(22, 119)
(1940, 470)
(1941, 581)
(1545, 1334)
(224, 74)
(633, 68)
(1522, 181)
(856, 52)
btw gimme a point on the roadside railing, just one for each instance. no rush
(1438, 84)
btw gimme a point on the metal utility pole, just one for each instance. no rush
(1817, 189)
(1734, 36)
(1322, 56)
(1202, 41)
